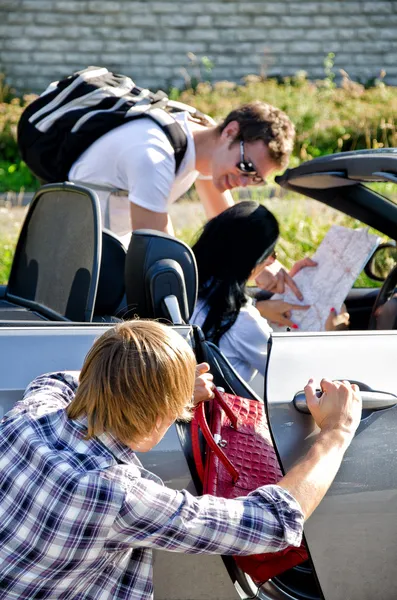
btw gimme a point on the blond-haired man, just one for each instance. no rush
(80, 515)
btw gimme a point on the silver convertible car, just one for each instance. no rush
(69, 281)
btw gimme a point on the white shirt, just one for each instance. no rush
(245, 343)
(139, 158)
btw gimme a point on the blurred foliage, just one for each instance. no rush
(6, 255)
(303, 225)
(328, 118)
(384, 261)
(10, 224)
(14, 174)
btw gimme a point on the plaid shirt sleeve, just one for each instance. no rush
(153, 516)
(51, 391)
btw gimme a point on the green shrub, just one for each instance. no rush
(14, 174)
(6, 255)
(328, 118)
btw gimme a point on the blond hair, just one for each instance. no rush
(134, 374)
(261, 121)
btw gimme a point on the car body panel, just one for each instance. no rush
(29, 351)
(352, 535)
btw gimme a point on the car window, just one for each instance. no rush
(303, 225)
(386, 189)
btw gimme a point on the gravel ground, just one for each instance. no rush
(10, 221)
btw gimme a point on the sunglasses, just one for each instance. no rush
(247, 168)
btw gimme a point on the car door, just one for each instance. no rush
(28, 350)
(352, 536)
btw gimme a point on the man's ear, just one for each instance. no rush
(231, 131)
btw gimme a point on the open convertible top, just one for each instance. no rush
(345, 168)
(339, 181)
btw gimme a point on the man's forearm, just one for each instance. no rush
(309, 480)
(142, 218)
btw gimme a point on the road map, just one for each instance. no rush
(341, 257)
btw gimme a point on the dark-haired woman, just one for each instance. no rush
(231, 250)
(234, 248)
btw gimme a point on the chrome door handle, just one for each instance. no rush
(372, 400)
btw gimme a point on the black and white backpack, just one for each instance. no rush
(56, 128)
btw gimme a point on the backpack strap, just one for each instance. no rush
(172, 130)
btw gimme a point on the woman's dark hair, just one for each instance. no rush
(227, 251)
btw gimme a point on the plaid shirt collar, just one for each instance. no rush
(122, 453)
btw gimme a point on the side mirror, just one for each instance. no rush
(381, 263)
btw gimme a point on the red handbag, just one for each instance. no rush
(240, 458)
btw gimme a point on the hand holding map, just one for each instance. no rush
(341, 257)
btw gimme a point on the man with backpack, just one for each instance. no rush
(141, 151)
(98, 128)
(139, 158)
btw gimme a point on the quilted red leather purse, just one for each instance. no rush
(240, 458)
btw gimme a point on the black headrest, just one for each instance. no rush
(111, 275)
(158, 266)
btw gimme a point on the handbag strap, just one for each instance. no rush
(198, 461)
(200, 420)
(219, 398)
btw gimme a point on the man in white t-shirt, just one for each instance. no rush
(252, 142)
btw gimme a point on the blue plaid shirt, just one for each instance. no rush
(79, 519)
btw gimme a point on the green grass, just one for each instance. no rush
(10, 224)
(303, 224)
(6, 254)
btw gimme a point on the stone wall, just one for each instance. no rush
(42, 40)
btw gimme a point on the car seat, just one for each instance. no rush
(55, 270)
(110, 298)
(161, 283)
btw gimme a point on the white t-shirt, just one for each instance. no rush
(139, 158)
(245, 343)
